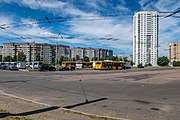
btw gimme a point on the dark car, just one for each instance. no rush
(67, 68)
(140, 66)
(45, 67)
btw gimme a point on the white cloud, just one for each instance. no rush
(168, 27)
(89, 30)
(33, 31)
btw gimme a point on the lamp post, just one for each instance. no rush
(33, 53)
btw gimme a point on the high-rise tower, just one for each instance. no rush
(145, 37)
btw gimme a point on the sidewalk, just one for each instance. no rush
(35, 111)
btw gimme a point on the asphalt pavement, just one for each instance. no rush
(138, 94)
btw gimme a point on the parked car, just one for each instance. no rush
(2, 65)
(21, 65)
(140, 66)
(35, 65)
(67, 68)
(12, 66)
(44, 67)
(6, 66)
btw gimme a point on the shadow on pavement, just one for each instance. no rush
(84, 103)
(3, 115)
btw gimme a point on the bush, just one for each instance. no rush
(162, 61)
(176, 63)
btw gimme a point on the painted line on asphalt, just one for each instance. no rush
(24, 99)
(92, 116)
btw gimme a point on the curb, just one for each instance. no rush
(92, 116)
(24, 70)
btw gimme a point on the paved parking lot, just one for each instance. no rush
(138, 94)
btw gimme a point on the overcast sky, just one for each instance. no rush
(88, 22)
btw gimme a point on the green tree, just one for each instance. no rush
(14, 59)
(1, 58)
(86, 59)
(120, 59)
(115, 58)
(132, 63)
(8, 59)
(61, 59)
(176, 63)
(21, 56)
(74, 59)
(77, 57)
(94, 58)
(162, 61)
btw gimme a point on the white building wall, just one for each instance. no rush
(145, 37)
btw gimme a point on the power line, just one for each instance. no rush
(172, 13)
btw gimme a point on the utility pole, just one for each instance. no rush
(56, 55)
(33, 53)
(83, 90)
(17, 55)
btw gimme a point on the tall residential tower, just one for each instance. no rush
(145, 37)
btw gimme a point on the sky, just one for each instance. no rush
(84, 23)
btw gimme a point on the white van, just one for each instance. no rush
(21, 65)
(35, 65)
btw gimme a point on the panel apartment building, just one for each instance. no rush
(48, 53)
(36, 51)
(145, 37)
(91, 53)
(174, 52)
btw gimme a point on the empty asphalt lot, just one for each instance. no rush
(139, 94)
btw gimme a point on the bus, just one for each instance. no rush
(87, 64)
(110, 65)
(68, 63)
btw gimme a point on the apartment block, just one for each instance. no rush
(9, 49)
(174, 52)
(89, 52)
(36, 51)
(77, 51)
(46, 53)
(63, 51)
(1, 50)
(103, 53)
(145, 37)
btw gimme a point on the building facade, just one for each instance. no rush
(9, 49)
(99, 53)
(174, 52)
(145, 37)
(77, 52)
(1, 50)
(51, 53)
(36, 51)
(89, 52)
(46, 55)
(64, 52)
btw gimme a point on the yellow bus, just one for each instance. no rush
(110, 65)
(87, 64)
(68, 63)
